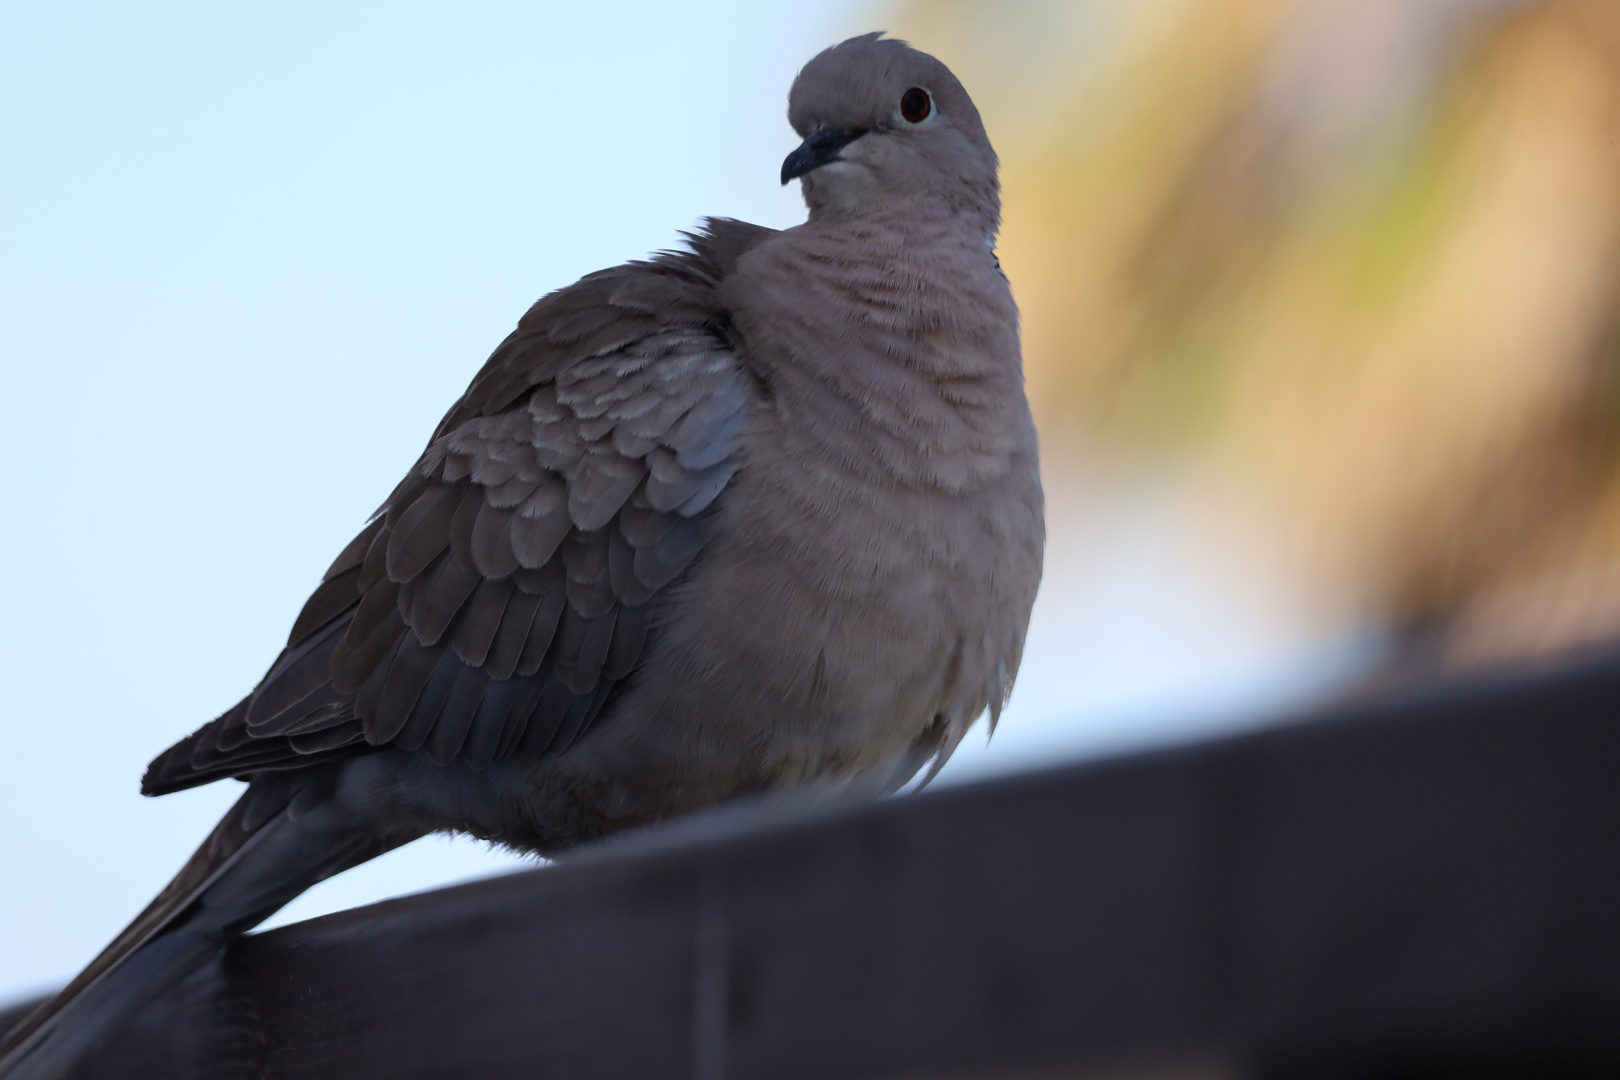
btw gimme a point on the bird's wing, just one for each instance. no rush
(506, 587)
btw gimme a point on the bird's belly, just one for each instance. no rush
(813, 658)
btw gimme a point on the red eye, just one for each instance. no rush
(915, 105)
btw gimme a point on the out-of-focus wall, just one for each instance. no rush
(1355, 261)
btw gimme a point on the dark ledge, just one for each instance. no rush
(1423, 885)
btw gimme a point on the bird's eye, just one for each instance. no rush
(915, 105)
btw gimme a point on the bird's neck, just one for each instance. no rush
(889, 342)
(925, 221)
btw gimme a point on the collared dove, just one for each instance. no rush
(758, 514)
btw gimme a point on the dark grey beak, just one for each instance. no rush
(821, 148)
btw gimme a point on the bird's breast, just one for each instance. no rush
(872, 565)
(877, 556)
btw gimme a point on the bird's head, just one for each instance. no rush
(883, 122)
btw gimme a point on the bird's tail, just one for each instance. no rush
(285, 834)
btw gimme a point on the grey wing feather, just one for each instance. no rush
(508, 586)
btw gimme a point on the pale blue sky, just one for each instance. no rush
(248, 256)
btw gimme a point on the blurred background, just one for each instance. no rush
(1320, 312)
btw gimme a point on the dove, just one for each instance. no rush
(761, 514)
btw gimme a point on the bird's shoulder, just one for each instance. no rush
(607, 310)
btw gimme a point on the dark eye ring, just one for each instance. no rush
(915, 105)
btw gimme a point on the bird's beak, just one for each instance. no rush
(821, 148)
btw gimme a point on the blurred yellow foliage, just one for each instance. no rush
(1358, 258)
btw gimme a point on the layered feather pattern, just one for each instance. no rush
(509, 583)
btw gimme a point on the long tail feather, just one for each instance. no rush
(280, 838)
